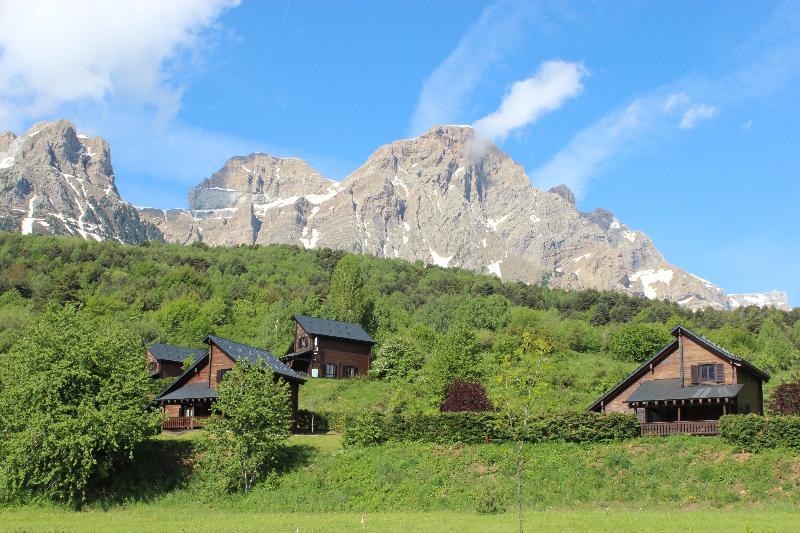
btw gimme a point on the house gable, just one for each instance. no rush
(666, 364)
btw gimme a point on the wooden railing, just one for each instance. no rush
(686, 427)
(184, 422)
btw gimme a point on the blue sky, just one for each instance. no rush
(683, 120)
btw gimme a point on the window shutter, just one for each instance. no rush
(695, 372)
(720, 373)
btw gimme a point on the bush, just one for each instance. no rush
(462, 396)
(475, 428)
(785, 399)
(754, 432)
(365, 430)
(490, 499)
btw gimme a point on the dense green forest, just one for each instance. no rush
(432, 324)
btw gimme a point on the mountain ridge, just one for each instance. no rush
(429, 198)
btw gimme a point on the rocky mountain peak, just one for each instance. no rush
(54, 180)
(564, 192)
(257, 179)
(447, 198)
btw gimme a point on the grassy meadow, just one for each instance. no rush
(650, 484)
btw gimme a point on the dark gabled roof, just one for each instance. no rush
(175, 385)
(243, 352)
(663, 352)
(669, 348)
(176, 354)
(333, 328)
(722, 352)
(670, 389)
(189, 391)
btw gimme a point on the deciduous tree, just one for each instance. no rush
(73, 404)
(249, 425)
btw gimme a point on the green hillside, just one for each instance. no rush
(423, 317)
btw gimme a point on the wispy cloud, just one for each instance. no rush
(499, 30)
(589, 150)
(554, 83)
(766, 62)
(697, 113)
(54, 53)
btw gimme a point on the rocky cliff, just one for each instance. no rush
(54, 180)
(445, 198)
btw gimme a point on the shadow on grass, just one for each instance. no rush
(294, 457)
(163, 466)
(158, 467)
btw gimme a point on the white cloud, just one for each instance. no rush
(697, 113)
(498, 31)
(747, 125)
(86, 51)
(676, 100)
(547, 90)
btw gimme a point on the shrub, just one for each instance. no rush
(463, 396)
(473, 428)
(753, 432)
(785, 399)
(490, 499)
(365, 430)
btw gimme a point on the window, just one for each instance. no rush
(303, 342)
(330, 370)
(153, 366)
(221, 374)
(708, 373)
(350, 371)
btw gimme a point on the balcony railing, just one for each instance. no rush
(183, 422)
(684, 427)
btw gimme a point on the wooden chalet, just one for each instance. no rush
(166, 360)
(329, 348)
(187, 401)
(686, 387)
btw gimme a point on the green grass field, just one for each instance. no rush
(651, 484)
(155, 518)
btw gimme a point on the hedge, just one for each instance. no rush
(447, 428)
(754, 432)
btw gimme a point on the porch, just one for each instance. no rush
(684, 427)
(176, 423)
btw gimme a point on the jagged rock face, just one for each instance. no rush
(445, 198)
(54, 181)
(777, 299)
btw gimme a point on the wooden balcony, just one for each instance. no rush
(176, 423)
(684, 427)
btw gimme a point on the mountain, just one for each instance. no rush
(446, 198)
(777, 299)
(435, 199)
(56, 181)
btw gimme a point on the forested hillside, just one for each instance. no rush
(433, 325)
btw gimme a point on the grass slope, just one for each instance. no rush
(149, 518)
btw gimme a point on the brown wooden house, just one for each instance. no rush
(187, 401)
(329, 348)
(166, 360)
(686, 387)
